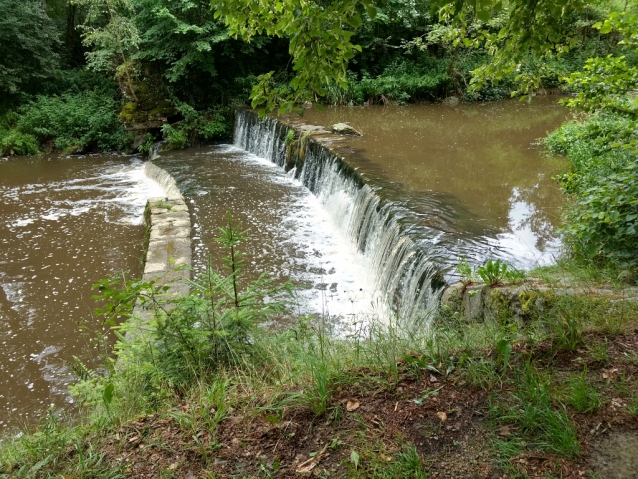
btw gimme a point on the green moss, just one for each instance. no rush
(528, 301)
(498, 305)
(131, 114)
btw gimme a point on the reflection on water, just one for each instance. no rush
(65, 224)
(477, 159)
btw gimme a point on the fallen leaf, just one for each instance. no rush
(433, 379)
(442, 416)
(354, 459)
(173, 466)
(306, 467)
(352, 405)
(505, 431)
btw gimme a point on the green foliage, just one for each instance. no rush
(601, 223)
(14, 142)
(604, 84)
(320, 44)
(214, 326)
(492, 272)
(176, 138)
(45, 453)
(29, 40)
(316, 396)
(582, 396)
(204, 126)
(145, 148)
(406, 464)
(604, 221)
(71, 122)
(531, 408)
(110, 34)
(178, 35)
(83, 122)
(482, 372)
(402, 84)
(465, 271)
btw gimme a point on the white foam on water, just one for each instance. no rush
(345, 288)
(21, 222)
(124, 186)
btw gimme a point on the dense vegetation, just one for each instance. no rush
(143, 64)
(78, 74)
(201, 389)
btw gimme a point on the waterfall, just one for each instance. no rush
(405, 275)
(154, 150)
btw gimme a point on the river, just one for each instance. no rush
(371, 227)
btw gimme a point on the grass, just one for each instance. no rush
(531, 410)
(406, 464)
(305, 383)
(581, 395)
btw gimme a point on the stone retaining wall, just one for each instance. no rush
(168, 255)
(477, 302)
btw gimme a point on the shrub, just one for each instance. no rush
(176, 137)
(198, 125)
(15, 143)
(80, 122)
(211, 328)
(602, 221)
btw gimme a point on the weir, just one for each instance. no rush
(405, 275)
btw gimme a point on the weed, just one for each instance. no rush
(493, 273)
(465, 271)
(599, 352)
(565, 326)
(632, 406)
(482, 372)
(145, 148)
(530, 408)
(582, 396)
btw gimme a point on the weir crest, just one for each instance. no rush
(406, 277)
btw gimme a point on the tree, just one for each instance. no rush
(320, 47)
(320, 32)
(29, 39)
(177, 41)
(111, 33)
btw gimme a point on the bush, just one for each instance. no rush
(176, 137)
(207, 126)
(15, 143)
(85, 121)
(211, 328)
(602, 220)
(402, 81)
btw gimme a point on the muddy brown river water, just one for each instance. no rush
(65, 223)
(482, 160)
(461, 179)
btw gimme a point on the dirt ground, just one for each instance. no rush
(444, 418)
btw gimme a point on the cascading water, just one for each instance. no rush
(405, 276)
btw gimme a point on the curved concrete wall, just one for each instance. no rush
(168, 255)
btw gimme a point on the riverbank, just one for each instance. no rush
(555, 396)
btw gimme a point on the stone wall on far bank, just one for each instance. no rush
(479, 302)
